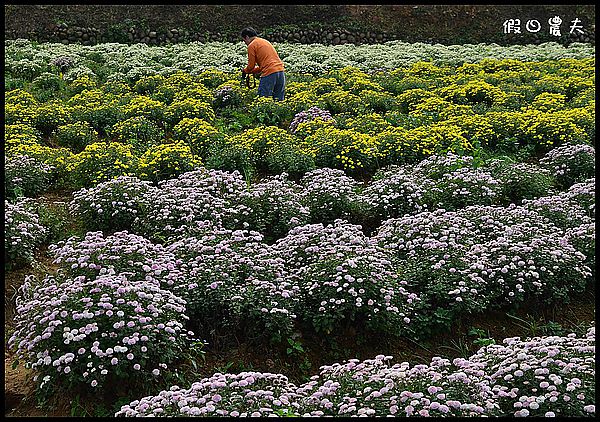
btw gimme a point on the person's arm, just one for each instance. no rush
(252, 67)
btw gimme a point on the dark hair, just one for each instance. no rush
(249, 32)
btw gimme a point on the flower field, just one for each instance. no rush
(398, 191)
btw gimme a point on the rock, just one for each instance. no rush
(152, 34)
(335, 41)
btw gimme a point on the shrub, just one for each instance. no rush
(23, 232)
(309, 115)
(57, 158)
(227, 95)
(115, 331)
(75, 136)
(101, 161)
(344, 149)
(232, 283)
(266, 111)
(460, 188)
(371, 124)
(139, 131)
(142, 106)
(100, 109)
(272, 207)
(190, 108)
(49, 116)
(234, 395)
(148, 84)
(520, 181)
(260, 143)
(392, 193)
(81, 83)
(341, 102)
(570, 163)
(343, 279)
(531, 377)
(328, 194)
(165, 161)
(196, 133)
(190, 205)
(25, 176)
(567, 209)
(110, 205)
(46, 86)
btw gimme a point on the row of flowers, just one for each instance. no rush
(26, 60)
(276, 204)
(360, 146)
(537, 377)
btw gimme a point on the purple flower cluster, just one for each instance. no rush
(225, 96)
(393, 192)
(191, 204)
(569, 208)
(78, 331)
(25, 176)
(570, 163)
(540, 376)
(247, 394)
(23, 232)
(111, 205)
(328, 194)
(481, 257)
(272, 206)
(341, 276)
(121, 253)
(63, 62)
(308, 115)
(461, 187)
(229, 277)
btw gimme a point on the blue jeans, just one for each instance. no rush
(272, 85)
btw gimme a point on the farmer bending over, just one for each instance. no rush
(262, 55)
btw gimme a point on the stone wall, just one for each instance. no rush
(325, 24)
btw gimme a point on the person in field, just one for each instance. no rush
(263, 59)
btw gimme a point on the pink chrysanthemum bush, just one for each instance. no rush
(344, 279)
(481, 257)
(189, 204)
(23, 231)
(272, 207)
(329, 194)
(104, 334)
(570, 208)
(120, 253)
(25, 176)
(247, 394)
(460, 187)
(231, 282)
(520, 181)
(542, 376)
(111, 205)
(393, 192)
(570, 163)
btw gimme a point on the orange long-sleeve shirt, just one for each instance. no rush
(262, 54)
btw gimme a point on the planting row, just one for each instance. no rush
(537, 377)
(273, 206)
(25, 60)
